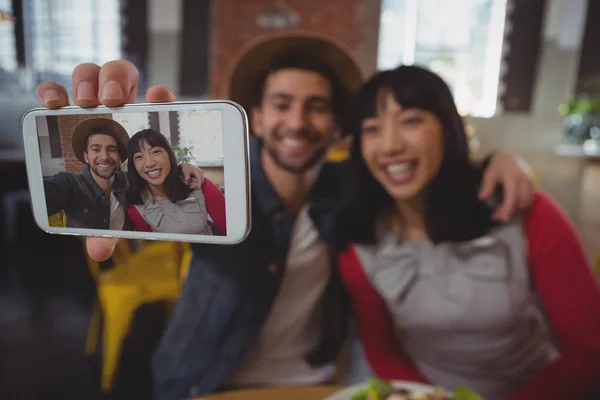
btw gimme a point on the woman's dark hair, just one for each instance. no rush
(453, 211)
(175, 188)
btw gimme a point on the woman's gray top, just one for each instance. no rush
(188, 216)
(467, 312)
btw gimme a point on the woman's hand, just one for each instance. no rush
(114, 84)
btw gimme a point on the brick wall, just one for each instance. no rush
(354, 23)
(66, 125)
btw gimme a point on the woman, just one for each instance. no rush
(160, 201)
(442, 293)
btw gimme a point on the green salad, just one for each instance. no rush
(378, 389)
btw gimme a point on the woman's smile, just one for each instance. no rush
(152, 163)
(398, 173)
(154, 174)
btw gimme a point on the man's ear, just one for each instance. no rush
(257, 121)
(85, 157)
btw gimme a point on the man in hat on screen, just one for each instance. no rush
(272, 309)
(96, 198)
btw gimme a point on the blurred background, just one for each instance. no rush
(525, 74)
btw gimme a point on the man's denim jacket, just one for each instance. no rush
(229, 292)
(85, 204)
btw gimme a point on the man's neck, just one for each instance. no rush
(105, 184)
(292, 188)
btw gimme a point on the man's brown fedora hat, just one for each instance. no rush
(85, 127)
(258, 54)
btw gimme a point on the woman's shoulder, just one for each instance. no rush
(210, 190)
(546, 221)
(196, 193)
(208, 185)
(544, 212)
(544, 208)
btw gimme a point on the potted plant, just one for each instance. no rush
(183, 155)
(582, 114)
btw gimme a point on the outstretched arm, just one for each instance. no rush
(58, 191)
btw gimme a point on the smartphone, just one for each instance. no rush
(123, 171)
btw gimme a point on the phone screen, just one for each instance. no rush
(157, 172)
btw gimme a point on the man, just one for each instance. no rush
(270, 310)
(95, 198)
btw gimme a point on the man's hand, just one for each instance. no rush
(192, 175)
(516, 178)
(114, 84)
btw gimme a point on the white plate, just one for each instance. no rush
(346, 394)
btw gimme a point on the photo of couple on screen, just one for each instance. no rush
(99, 176)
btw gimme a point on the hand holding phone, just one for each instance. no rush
(88, 75)
(75, 166)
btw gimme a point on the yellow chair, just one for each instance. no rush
(156, 272)
(339, 151)
(186, 258)
(337, 155)
(152, 273)
(58, 220)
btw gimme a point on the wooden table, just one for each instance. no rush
(276, 393)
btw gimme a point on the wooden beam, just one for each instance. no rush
(522, 61)
(194, 74)
(136, 32)
(589, 62)
(19, 28)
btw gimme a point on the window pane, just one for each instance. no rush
(460, 40)
(201, 133)
(392, 29)
(8, 50)
(132, 122)
(64, 33)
